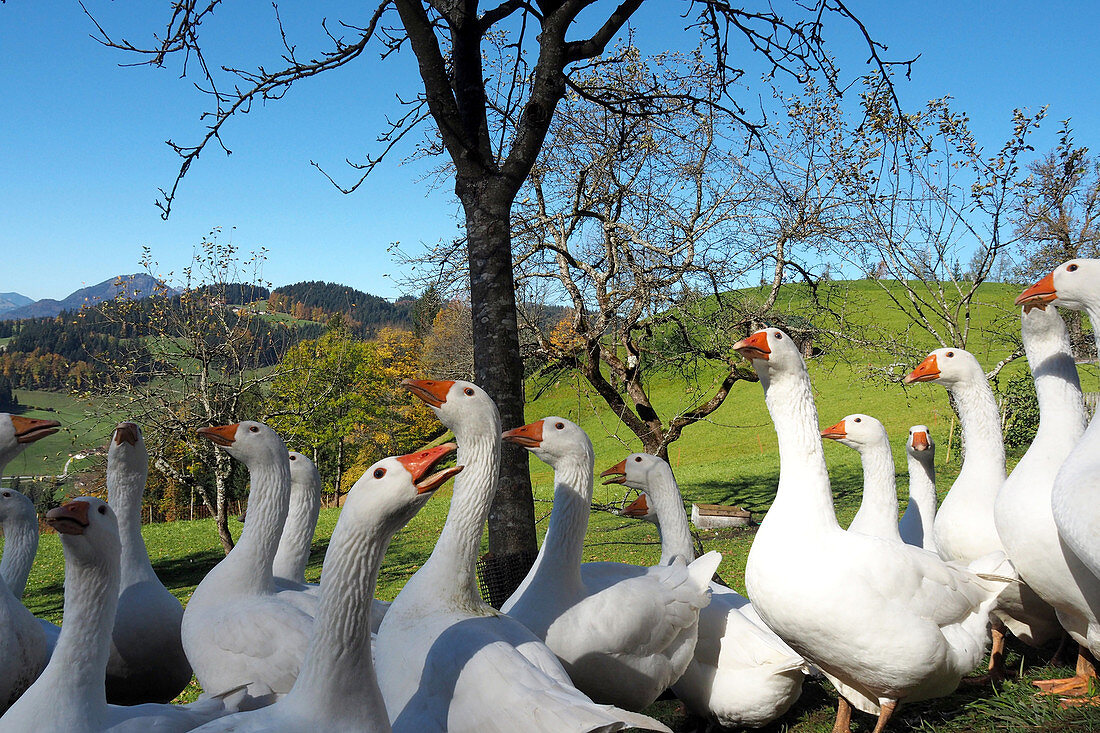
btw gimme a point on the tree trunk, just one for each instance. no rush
(498, 365)
(222, 469)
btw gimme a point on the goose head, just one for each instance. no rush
(88, 529)
(127, 451)
(857, 431)
(772, 352)
(947, 366)
(1074, 284)
(392, 490)
(919, 444)
(636, 471)
(250, 442)
(553, 439)
(16, 506)
(462, 406)
(640, 508)
(17, 432)
(304, 473)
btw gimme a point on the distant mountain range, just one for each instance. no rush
(139, 285)
(11, 301)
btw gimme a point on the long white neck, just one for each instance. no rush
(249, 564)
(921, 509)
(125, 487)
(672, 521)
(449, 576)
(804, 497)
(20, 546)
(983, 469)
(76, 672)
(878, 511)
(1062, 416)
(337, 673)
(292, 556)
(559, 559)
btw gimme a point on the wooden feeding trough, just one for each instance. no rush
(716, 516)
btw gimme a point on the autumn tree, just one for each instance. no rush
(192, 362)
(448, 346)
(491, 78)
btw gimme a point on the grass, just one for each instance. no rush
(81, 429)
(730, 459)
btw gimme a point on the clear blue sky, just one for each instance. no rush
(82, 149)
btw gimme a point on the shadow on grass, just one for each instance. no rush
(756, 492)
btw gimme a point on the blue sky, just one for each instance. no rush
(82, 150)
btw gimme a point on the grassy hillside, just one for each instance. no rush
(82, 427)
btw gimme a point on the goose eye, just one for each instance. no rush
(253, 429)
(469, 392)
(7, 494)
(637, 459)
(560, 426)
(778, 336)
(102, 509)
(858, 419)
(294, 458)
(1071, 268)
(949, 354)
(379, 472)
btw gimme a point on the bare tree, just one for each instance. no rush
(491, 120)
(190, 361)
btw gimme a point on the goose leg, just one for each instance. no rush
(887, 709)
(996, 671)
(843, 722)
(1075, 686)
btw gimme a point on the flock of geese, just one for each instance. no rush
(888, 611)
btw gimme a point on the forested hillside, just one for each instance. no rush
(364, 313)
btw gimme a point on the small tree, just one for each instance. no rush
(191, 362)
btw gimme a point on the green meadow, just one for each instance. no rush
(731, 458)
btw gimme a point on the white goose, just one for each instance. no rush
(237, 630)
(878, 510)
(1070, 575)
(70, 694)
(445, 659)
(24, 649)
(147, 663)
(627, 657)
(742, 674)
(964, 529)
(916, 525)
(292, 556)
(885, 621)
(337, 689)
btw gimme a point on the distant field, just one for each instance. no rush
(82, 426)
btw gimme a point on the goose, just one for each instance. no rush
(24, 647)
(70, 695)
(445, 659)
(627, 657)
(237, 630)
(878, 511)
(964, 529)
(885, 622)
(147, 663)
(292, 555)
(337, 689)
(1068, 562)
(916, 524)
(742, 674)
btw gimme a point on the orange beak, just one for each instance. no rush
(1039, 295)
(126, 431)
(222, 435)
(29, 429)
(920, 440)
(638, 508)
(529, 435)
(432, 391)
(69, 518)
(419, 463)
(926, 371)
(836, 432)
(754, 346)
(618, 471)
